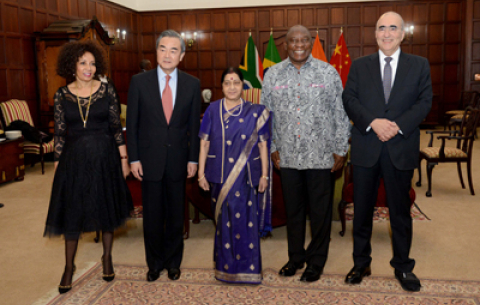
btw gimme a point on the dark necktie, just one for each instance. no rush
(167, 100)
(387, 79)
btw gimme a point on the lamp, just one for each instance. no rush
(120, 39)
(409, 32)
(190, 39)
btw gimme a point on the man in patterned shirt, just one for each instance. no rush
(310, 140)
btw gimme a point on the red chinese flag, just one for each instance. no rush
(341, 59)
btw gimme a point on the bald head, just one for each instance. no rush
(298, 45)
(298, 28)
(392, 13)
(389, 32)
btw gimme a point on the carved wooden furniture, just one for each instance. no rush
(48, 44)
(12, 160)
(462, 153)
(454, 117)
(13, 110)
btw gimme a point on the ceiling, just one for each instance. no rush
(163, 5)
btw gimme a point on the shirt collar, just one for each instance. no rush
(161, 74)
(288, 62)
(394, 56)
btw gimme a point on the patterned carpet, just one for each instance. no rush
(198, 286)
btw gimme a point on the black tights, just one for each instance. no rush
(71, 250)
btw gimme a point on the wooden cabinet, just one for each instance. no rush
(12, 160)
(48, 44)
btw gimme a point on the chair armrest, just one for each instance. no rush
(441, 131)
(432, 132)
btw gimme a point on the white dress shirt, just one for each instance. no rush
(393, 63)
(162, 80)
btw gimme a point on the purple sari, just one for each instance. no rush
(233, 169)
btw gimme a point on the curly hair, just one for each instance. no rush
(72, 51)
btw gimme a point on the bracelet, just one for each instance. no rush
(201, 178)
(123, 157)
(266, 178)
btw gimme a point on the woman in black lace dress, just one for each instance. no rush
(89, 191)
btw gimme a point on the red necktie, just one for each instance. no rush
(167, 100)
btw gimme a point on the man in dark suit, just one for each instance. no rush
(163, 118)
(387, 95)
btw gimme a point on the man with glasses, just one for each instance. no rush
(310, 139)
(387, 95)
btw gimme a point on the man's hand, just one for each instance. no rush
(191, 169)
(137, 170)
(276, 159)
(339, 162)
(385, 129)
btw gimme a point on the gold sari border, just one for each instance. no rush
(239, 277)
(240, 164)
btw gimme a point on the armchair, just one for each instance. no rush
(13, 110)
(454, 117)
(462, 153)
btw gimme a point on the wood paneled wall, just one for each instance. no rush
(447, 32)
(473, 45)
(222, 35)
(21, 18)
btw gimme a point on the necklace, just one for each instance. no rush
(226, 109)
(84, 119)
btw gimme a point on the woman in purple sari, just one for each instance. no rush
(234, 165)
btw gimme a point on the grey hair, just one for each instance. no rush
(393, 13)
(171, 33)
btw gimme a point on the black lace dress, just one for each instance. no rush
(89, 192)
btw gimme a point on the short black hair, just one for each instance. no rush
(72, 51)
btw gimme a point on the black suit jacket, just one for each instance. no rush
(149, 138)
(409, 103)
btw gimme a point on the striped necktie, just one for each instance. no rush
(387, 79)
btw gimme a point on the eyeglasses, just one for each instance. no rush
(298, 41)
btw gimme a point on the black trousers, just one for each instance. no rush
(310, 188)
(163, 216)
(365, 189)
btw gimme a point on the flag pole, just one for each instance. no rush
(271, 31)
(250, 32)
(341, 30)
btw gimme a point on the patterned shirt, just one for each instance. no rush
(309, 121)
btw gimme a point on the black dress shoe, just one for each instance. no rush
(408, 280)
(311, 274)
(174, 274)
(355, 276)
(153, 275)
(290, 268)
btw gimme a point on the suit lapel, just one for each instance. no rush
(403, 67)
(375, 73)
(179, 96)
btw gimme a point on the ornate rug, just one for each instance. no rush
(198, 286)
